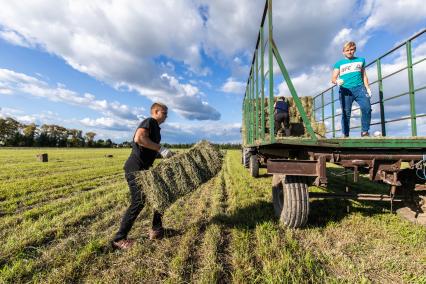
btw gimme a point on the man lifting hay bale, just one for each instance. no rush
(179, 175)
(145, 148)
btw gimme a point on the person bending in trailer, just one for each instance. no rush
(349, 73)
(145, 148)
(281, 116)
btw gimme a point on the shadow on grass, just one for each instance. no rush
(264, 175)
(323, 211)
(170, 233)
(246, 217)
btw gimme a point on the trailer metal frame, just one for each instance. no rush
(381, 157)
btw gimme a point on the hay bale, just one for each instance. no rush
(42, 157)
(179, 175)
(297, 127)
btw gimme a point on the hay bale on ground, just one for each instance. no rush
(179, 175)
(42, 157)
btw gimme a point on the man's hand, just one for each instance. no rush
(339, 82)
(165, 153)
(368, 92)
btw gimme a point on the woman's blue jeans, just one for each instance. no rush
(347, 97)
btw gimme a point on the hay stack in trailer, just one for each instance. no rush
(297, 128)
(179, 175)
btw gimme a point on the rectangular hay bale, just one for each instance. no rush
(179, 175)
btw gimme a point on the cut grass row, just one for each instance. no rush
(34, 234)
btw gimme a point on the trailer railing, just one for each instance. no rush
(327, 104)
(254, 115)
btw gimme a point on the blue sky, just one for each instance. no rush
(98, 65)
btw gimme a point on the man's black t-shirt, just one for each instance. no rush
(141, 157)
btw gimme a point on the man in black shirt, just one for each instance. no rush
(145, 147)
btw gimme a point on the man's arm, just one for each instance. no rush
(334, 76)
(366, 84)
(364, 78)
(142, 139)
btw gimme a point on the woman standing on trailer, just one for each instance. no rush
(349, 73)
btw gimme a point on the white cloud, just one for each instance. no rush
(185, 99)
(394, 16)
(21, 83)
(21, 116)
(214, 131)
(109, 123)
(233, 86)
(116, 41)
(15, 38)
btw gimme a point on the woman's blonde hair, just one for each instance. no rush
(349, 44)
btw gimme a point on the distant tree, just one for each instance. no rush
(29, 134)
(75, 138)
(9, 132)
(100, 143)
(108, 143)
(126, 144)
(89, 138)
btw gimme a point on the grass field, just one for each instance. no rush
(57, 219)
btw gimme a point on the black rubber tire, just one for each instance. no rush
(246, 158)
(290, 197)
(254, 166)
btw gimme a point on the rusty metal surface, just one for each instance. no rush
(335, 157)
(355, 196)
(292, 167)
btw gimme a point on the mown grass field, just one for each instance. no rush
(57, 219)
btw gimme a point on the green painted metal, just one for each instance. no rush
(296, 99)
(322, 108)
(382, 107)
(251, 109)
(262, 82)
(253, 113)
(411, 89)
(257, 96)
(271, 75)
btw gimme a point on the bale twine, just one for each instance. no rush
(179, 175)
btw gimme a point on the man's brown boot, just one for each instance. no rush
(123, 244)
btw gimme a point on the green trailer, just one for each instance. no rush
(395, 155)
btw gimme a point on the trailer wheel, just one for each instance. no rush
(290, 197)
(246, 158)
(254, 166)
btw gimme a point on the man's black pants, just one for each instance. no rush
(137, 202)
(281, 117)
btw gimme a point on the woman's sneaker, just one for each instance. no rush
(365, 134)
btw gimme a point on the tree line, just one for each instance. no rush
(16, 134)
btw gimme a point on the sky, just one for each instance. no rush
(99, 65)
